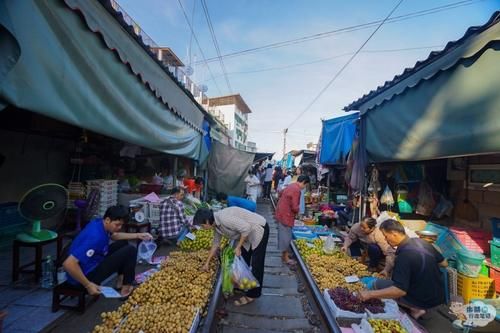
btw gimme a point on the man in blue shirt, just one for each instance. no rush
(236, 201)
(92, 259)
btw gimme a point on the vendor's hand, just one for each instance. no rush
(343, 249)
(384, 274)
(363, 295)
(93, 289)
(205, 268)
(145, 236)
(237, 251)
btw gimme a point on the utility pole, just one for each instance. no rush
(285, 131)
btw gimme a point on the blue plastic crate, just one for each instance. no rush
(9, 215)
(495, 227)
(436, 228)
(304, 235)
(444, 272)
(449, 244)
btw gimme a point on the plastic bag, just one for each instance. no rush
(145, 250)
(426, 201)
(329, 245)
(227, 270)
(387, 198)
(443, 208)
(242, 275)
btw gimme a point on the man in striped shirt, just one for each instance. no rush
(172, 217)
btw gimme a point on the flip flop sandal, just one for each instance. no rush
(290, 262)
(125, 297)
(243, 301)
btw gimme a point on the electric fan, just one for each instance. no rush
(38, 204)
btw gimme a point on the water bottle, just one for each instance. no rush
(48, 273)
(61, 275)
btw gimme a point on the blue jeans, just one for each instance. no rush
(374, 254)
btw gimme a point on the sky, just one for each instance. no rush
(279, 84)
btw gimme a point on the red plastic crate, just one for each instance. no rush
(495, 275)
(474, 240)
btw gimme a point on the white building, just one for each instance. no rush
(233, 112)
(251, 147)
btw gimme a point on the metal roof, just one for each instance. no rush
(432, 58)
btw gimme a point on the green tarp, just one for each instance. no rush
(66, 72)
(454, 113)
(227, 169)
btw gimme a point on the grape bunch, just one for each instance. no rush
(347, 301)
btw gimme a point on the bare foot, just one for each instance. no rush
(126, 290)
(119, 282)
(417, 313)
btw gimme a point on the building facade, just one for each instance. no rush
(233, 112)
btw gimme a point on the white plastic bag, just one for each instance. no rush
(329, 245)
(243, 278)
(443, 208)
(145, 250)
(387, 198)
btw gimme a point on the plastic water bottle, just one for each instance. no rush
(61, 275)
(48, 273)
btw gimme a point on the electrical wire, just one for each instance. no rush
(353, 28)
(328, 59)
(216, 43)
(199, 47)
(341, 70)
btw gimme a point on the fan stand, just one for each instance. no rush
(36, 234)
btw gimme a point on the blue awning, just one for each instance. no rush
(337, 136)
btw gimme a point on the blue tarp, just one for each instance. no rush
(336, 139)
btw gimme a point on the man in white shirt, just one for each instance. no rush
(268, 179)
(253, 184)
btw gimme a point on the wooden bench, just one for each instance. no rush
(65, 290)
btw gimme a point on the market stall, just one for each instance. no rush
(437, 168)
(334, 279)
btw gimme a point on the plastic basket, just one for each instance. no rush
(495, 275)
(154, 212)
(438, 229)
(304, 235)
(474, 240)
(495, 252)
(448, 244)
(452, 281)
(495, 227)
(478, 287)
(469, 262)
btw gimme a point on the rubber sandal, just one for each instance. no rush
(243, 301)
(125, 297)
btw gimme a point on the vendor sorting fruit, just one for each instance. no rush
(416, 281)
(368, 235)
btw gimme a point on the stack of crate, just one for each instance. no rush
(108, 193)
(76, 190)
